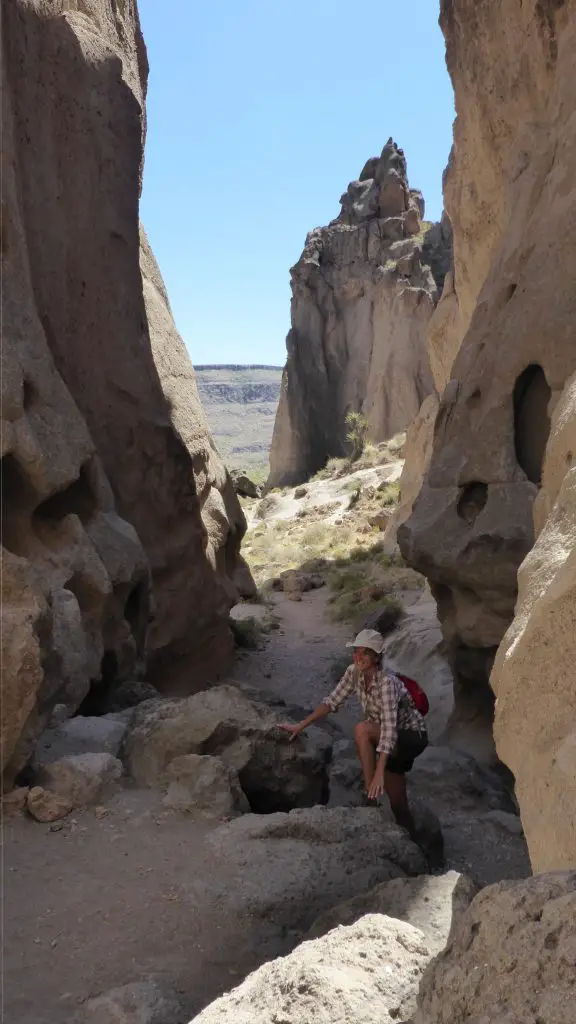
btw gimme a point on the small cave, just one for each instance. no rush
(18, 500)
(137, 612)
(266, 796)
(97, 699)
(87, 595)
(474, 399)
(531, 421)
(471, 502)
(29, 393)
(76, 499)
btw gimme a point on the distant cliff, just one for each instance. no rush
(363, 292)
(240, 403)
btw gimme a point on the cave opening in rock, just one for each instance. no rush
(96, 701)
(531, 420)
(77, 499)
(18, 499)
(137, 612)
(471, 502)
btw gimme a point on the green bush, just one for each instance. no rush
(357, 434)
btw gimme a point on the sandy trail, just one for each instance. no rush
(105, 901)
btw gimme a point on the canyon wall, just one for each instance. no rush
(362, 295)
(503, 349)
(116, 507)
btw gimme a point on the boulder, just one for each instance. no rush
(432, 903)
(46, 806)
(310, 859)
(140, 1002)
(510, 958)
(15, 801)
(204, 786)
(293, 581)
(81, 779)
(81, 735)
(364, 974)
(244, 733)
(244, 486)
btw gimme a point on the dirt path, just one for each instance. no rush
(104, 901)
(299, 655)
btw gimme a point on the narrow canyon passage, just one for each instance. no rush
(134, 890)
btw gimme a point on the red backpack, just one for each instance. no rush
(417, 693)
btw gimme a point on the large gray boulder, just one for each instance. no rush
(274, 774)
(293, 867)
(511, 958)
(204, 786)
(81, 735)
(82, 779)
(365, 974)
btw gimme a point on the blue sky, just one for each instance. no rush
(259, 114)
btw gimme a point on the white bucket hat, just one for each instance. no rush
(369, 638)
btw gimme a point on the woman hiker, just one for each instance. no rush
(393, 727)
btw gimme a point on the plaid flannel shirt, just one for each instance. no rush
(384, 699)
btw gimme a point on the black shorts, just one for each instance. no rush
(409, 745)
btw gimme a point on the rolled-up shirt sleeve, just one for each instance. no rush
(389, 717)
(340, 692)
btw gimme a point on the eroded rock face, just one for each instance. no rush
(533, 676)
(362, 295)
(503, 331)
(510, 958)
(293, 867)
(108, 468)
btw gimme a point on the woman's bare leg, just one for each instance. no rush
(395, 786)
(366, 735)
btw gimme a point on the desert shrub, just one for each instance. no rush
(389, 494)
(357, 434)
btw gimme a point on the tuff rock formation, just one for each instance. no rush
(108, 470)
(533, 675)
(510, 958)
(362, 294)
(502, 351)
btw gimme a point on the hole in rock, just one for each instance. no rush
(96, 700)
(471, 502)
(77, 499)
(136, 612)
(531, 420)
(29, 393)
(474, 399)
(18, 500)
(85, 592)
(266, 797)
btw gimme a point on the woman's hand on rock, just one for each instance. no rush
(294, 730)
